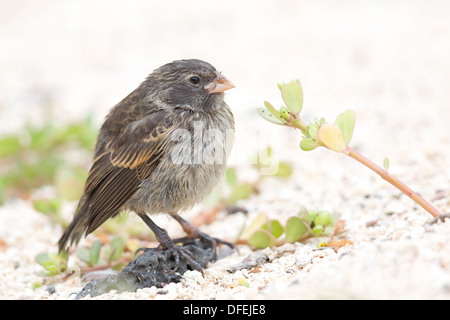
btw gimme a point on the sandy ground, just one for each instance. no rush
(386, 60)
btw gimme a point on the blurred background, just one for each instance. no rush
(64, 64)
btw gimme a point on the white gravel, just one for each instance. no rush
(386, 60)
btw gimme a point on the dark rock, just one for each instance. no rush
(154, 267)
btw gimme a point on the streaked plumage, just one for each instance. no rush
(133, 167)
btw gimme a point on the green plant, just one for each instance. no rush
(112, 254)
(91, 255)
(42, 150)
(263, 232)
(334, 136)
(41, 155)
(96, 257)
(37, 156)
(53, 263)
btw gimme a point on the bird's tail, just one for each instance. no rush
(77, 227)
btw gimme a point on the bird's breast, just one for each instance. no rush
(194, 162)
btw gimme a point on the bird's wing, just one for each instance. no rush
(136, 149)
(117, 173)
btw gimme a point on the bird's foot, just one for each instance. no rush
(181, 253)
(178, 252)
(194, 233)
(168, 244)
(214, 242)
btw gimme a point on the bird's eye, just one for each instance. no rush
(194, 80)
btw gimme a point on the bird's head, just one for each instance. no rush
(191, 83)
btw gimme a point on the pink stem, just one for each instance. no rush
(393, 180)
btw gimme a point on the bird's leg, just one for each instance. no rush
(194, 233)
(167, 243)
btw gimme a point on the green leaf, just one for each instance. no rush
(284, 112)
(43, 258)
(274, 227)
(386, 164)
(256, 224)
(284, 170)
(240, 191)
(311, 130)
(262, 239)
(322, 218)
(307, 216)
(116, 247)
(243, 282)
(317, 230)
(295, 228)
(36, 284)
(292, 94)
(83, 255)
(346, 122)
(331, 136)
(268, 116)
(52, 262)
(94, 252)
(308, 144)
(272, 110)
(47, 206)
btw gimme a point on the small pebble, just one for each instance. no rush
(303, 256)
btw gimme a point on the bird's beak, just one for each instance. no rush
(219, 84)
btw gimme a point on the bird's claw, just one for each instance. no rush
(213, 241)
(178, 252)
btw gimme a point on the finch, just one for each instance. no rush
(154, 153)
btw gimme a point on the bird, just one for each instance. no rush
(151, 155)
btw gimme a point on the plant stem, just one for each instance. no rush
(393, 180)
(297, 123)
(382, 173)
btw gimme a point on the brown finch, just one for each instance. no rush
(139, 163)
